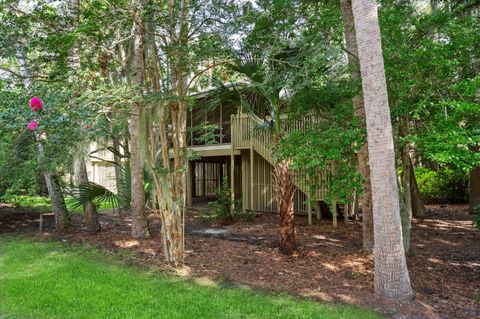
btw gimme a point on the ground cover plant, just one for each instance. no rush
(43, 204)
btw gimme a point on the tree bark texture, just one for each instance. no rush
(474, 197)
(392, 280)
(90, 214)
(418, 207)
(284, 192)
(406, 210)
(139, 219)
(169, 184)
(359, 111)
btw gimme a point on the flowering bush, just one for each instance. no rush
(36, 104)
(32, 126)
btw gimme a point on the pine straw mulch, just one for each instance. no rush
(329, 265)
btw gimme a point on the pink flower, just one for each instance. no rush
(36, 104)
(32, 126)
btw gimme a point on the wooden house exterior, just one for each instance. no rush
(242, 156)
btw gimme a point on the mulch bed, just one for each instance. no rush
(444, 264)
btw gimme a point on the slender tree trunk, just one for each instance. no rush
(90, 214)
(359, 111)
(118, 169)
(391, 275)
(474, 198)
(139, 219)
(406, 210)
(284, 192)
(57, 201)
(418, 208)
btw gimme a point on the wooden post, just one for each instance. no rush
(40, 223)
(221, 123)
(204, 184)
(194, 179)
(232, 179)
(189, 184)
(251, 176)
(309, 212)
(244, 182)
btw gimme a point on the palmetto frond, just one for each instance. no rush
(93, 192)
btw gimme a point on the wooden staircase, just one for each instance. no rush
(246, 136)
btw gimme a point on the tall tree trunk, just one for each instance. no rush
(391, 275)
(59, 208)
(90, 214)
(418, 207)
(359, 111)
(284, 192)
(474, 198)
(406, 208)
(139, 219)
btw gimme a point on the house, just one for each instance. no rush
(100, 167)
(226, 148)
(238, 153)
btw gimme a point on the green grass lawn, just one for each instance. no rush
(42, 204)
(54, 280)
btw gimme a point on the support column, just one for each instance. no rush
(309, 212)
(232, 180)
(189, 183)
(204, 178)
(251, 179)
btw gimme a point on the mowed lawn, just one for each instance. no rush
(56, 280)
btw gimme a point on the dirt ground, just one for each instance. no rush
(444, 264)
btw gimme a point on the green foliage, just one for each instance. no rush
(210, 133)
(10, 198)
(476, 221)
(432, 61)
(330, 143)
(42, 204)
(94, 193)
(443, 185)
(219, 210)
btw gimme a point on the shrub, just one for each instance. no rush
(476, 221)
(10, 198)
(220, 209)
(442, 186)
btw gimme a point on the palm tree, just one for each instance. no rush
(261, 95)
(391, 275)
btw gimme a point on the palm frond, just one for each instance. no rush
(93, 192)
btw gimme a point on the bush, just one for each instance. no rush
(476, 221)
(10, 198)
(220, 209)
(442, 186)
